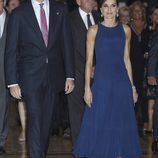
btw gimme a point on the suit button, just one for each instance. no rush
(46, 60)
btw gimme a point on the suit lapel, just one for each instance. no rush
(31, 18)
(51, 23)
(80, 21)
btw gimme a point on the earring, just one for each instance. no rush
(101, 14)
(117, 14)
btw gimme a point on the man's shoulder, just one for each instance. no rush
(75, 15)
(74, 12)
(22, 8)
(97, 17)
(59, 4)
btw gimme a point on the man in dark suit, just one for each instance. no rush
(81, 19)
(39, 64)
(152, 80)
(3, 89)
(71, 5)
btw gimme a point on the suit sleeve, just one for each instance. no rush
(153, 56)
(68, 52)
(11, 50)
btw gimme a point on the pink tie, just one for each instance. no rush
(44, 28)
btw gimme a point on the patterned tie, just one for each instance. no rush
(89, 20)
(44, 28)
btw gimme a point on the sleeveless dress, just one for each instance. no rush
(109, 127)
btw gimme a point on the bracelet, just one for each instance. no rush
(134, 88)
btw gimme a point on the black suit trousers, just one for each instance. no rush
(39, 107)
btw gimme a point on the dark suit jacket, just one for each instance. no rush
(2, 51)
(72, 5)
(79, 32)
(26, 54)
(153, 56)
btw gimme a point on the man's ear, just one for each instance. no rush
(78, 2)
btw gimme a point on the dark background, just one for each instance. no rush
(72, 3)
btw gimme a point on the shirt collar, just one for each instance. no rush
(83, 13)
(35, 2)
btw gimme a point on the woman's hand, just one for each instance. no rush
(88, 97)
(135, 96)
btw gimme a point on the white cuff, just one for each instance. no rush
(12, 85)
(70, 79)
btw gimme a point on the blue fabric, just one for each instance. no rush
(109, 127)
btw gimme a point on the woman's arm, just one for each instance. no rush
(127, 60)
(127, 53)
(89, 62)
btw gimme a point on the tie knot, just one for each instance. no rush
(41, 5)
(88, 15)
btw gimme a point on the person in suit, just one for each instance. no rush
(152, 80)
(39, 64)
(10, 6)
(81, 19)
(71, 5)
(3, 89)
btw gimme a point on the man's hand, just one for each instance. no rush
(15, 91)
(152, 80)
(69, 86)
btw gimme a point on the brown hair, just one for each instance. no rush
(152, 10)
(142, 7)
(101, 2)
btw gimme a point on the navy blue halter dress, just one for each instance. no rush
(109, 127)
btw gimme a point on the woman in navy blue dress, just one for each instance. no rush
(109, 126)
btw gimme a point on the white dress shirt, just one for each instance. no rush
(84, 17)
(2, 22)
(36, 7)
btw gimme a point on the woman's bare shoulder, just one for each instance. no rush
(127, 30)
(93, 30)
